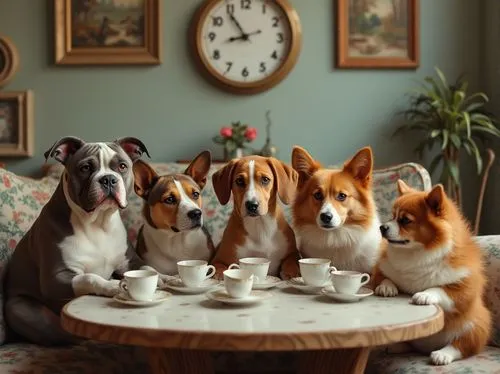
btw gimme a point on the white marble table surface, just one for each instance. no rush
(287, 311)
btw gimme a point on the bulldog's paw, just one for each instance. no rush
(163, 280)
(111, 288)
(424, 298)
(386, 288)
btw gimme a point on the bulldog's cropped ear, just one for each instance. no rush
(222, 181)
(145, 178)
(285, 178)
(133, 147)
(198, 168)
(361, 166)
(435, 199)
(64, 148)
(403, 187)
(304, 164)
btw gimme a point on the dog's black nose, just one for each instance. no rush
(384, 229)
(252, 206)
(326, 217)
(194, 214)
(108, 181)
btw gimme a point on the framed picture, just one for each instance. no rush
(16, 123)
(9, 60)
(107, 32)
(374, 34)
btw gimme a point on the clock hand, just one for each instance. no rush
(244, 37)
(243, 33)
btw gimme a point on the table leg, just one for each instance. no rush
(177, 361)
(338, 361)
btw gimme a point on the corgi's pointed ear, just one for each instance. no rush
(361, 165)
(403, 187)
(198, 168)
(145, 178)
(304, 164)
(222, 181)
(435, 199)
(285, 178)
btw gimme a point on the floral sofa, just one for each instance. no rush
(22, 198)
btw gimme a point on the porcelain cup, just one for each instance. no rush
(315, 271)
(194, 272)
(259, 266)
(238, 282)
(348, 282)
(139, 285)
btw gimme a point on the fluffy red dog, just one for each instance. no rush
(432, 256)
(334, 212)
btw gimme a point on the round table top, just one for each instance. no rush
(287, 321)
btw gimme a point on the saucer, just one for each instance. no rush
(223, 297)
(346, 298)
(176, 284)
(158, 297)
(299, 284)
(269, 282)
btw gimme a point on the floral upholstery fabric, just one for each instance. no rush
(487, 362)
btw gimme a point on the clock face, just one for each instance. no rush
(244, 42)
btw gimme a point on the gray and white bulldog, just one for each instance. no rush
(78, 243)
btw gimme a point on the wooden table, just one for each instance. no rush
(181, 331)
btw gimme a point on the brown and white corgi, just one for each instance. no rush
(173, 229)
(257, 226)
(334, 212)
(431, 255)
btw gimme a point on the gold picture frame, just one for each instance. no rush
(378, 34)
(112, 32)
(9, 60)
(16, 124)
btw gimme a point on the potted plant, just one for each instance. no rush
(233, 139)
(451, 120)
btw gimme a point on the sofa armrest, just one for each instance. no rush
(490, 244)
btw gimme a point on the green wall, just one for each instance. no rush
(175, 112)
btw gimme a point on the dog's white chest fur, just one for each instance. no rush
(264, 239)
(415, 270)
(96, 247)
(165, 248)
(349, 247)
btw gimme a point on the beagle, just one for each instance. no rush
(257, 226)
(173, 229)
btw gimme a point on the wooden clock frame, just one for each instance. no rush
(242, 88)
(11, 60)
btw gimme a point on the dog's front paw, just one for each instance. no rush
(163, 280)
(111, 288)
(386, 288)
(424, 298)
(441, 357)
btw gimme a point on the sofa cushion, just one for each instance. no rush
(21, 200)
(487, 362)
(87, 358)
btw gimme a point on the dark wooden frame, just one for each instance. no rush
(24, 144)
(344, 61)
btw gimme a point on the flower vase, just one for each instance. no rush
(236, 153)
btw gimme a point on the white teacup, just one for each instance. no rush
(348, 282)
(238, 282)
(315, 271)
(259, 266)
(194, 272)
(139, 285)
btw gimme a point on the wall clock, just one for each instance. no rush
(9, 60)
(246, 46)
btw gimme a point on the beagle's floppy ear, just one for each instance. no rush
(199, 167)
(145, 178)
(222, 181)
(285, 178)
(304, 164)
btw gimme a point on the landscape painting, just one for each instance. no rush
(8, 127)
(16, 123)
(378, 33)
(107, 32)
(107, 23)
